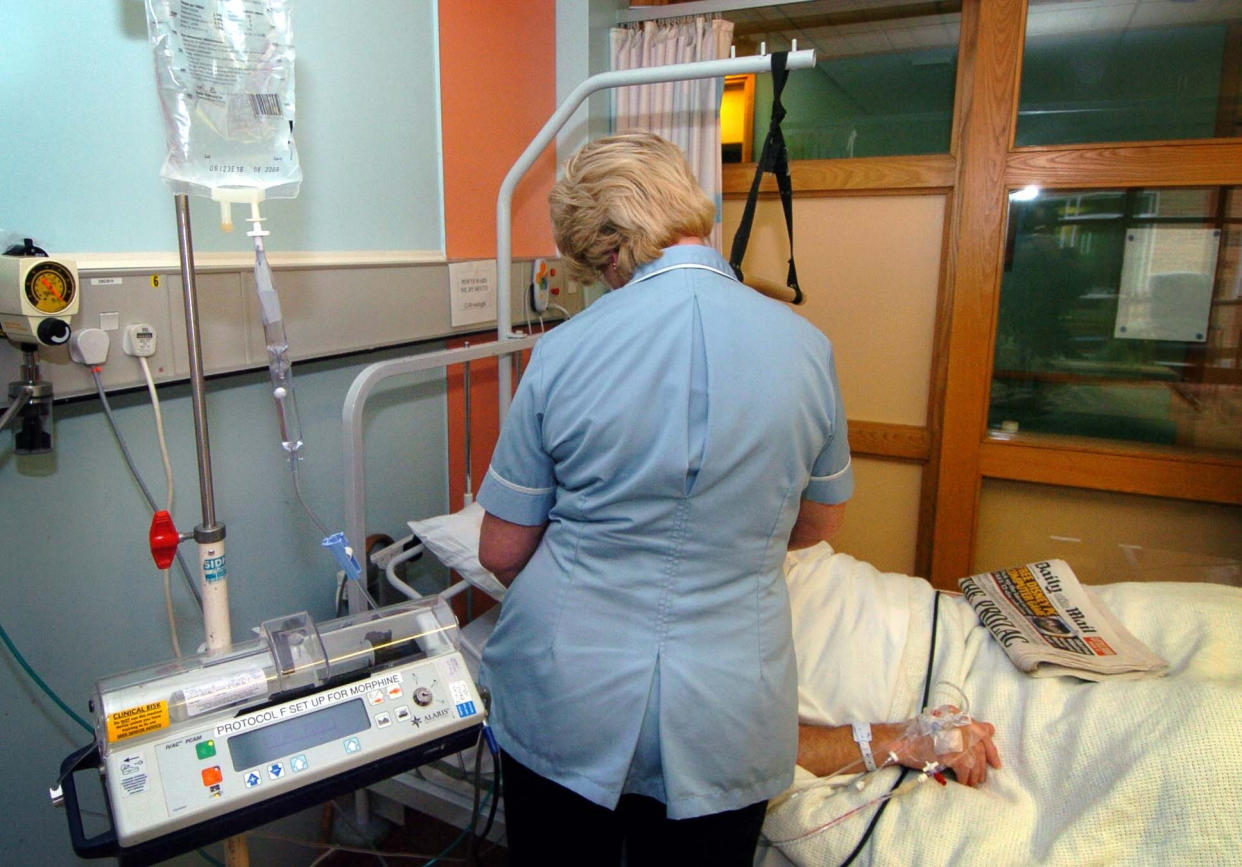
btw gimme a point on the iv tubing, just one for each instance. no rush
(268, 316)
(761, 63)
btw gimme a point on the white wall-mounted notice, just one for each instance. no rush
(472, 292)
(1166, 283)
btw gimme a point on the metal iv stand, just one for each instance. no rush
(209, 535)
(30, 399)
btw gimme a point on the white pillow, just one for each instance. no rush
(860, 636)
(454, 540)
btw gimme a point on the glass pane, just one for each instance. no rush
(883, 85)
(1138, 70)
(1121, 317)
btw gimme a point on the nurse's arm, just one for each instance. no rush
(816, 522)
(505, 548)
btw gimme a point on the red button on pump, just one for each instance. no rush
(164, 539)
(212, 775)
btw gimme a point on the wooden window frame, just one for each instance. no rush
(977, 175)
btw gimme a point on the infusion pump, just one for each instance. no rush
(204, 747)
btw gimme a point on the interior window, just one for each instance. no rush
(1121, 316)
(1103, 70)
(883, 84)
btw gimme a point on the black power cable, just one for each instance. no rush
(927, 680)
(485, 735)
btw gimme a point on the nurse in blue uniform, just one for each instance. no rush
(663, 450)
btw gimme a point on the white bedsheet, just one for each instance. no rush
(1126, 772)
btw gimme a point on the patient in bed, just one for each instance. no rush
(1140, 771)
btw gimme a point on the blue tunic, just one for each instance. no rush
(667, 435)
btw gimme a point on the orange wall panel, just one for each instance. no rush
(497, 89)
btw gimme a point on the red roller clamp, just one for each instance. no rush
(164, 539)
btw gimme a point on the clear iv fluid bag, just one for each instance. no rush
(224, 70)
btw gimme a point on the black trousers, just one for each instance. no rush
(550, 826)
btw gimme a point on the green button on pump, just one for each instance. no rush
(206, 749)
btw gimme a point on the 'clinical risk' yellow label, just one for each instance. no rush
(137, 721)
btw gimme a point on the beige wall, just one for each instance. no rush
(882, 518)
(1108, 537)
(870, 268)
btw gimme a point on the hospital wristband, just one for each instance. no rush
(862, 737)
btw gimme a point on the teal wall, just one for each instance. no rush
(83, 140)
(83, 145)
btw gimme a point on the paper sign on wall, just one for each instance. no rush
(1166, 283)
(472, 291)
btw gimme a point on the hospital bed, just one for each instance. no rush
(1142, 771)
(1121, 772)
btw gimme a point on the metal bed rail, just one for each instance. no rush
(351, 418)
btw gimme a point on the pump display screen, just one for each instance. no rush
(300, 733)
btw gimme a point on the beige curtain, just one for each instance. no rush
(686, 113)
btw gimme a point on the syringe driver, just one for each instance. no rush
(204, 747)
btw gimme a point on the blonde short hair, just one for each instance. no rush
(632, 194)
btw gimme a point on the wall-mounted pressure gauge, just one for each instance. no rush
(38, 297)
(50, 287)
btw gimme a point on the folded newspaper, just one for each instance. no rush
(1050, 624)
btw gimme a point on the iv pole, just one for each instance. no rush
(759, 63)
(209, 535)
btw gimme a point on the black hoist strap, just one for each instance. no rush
(773, 158)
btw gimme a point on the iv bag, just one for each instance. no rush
(224, 70)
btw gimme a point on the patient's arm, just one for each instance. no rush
(829, 750)
(816, 522)
(505, 547)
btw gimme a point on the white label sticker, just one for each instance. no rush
(224, 691)
(460, 691)
(134, 778)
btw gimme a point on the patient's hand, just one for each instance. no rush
(966, 749)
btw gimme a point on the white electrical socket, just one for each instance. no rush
(139, 340)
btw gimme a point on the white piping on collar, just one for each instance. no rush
(667, 268)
